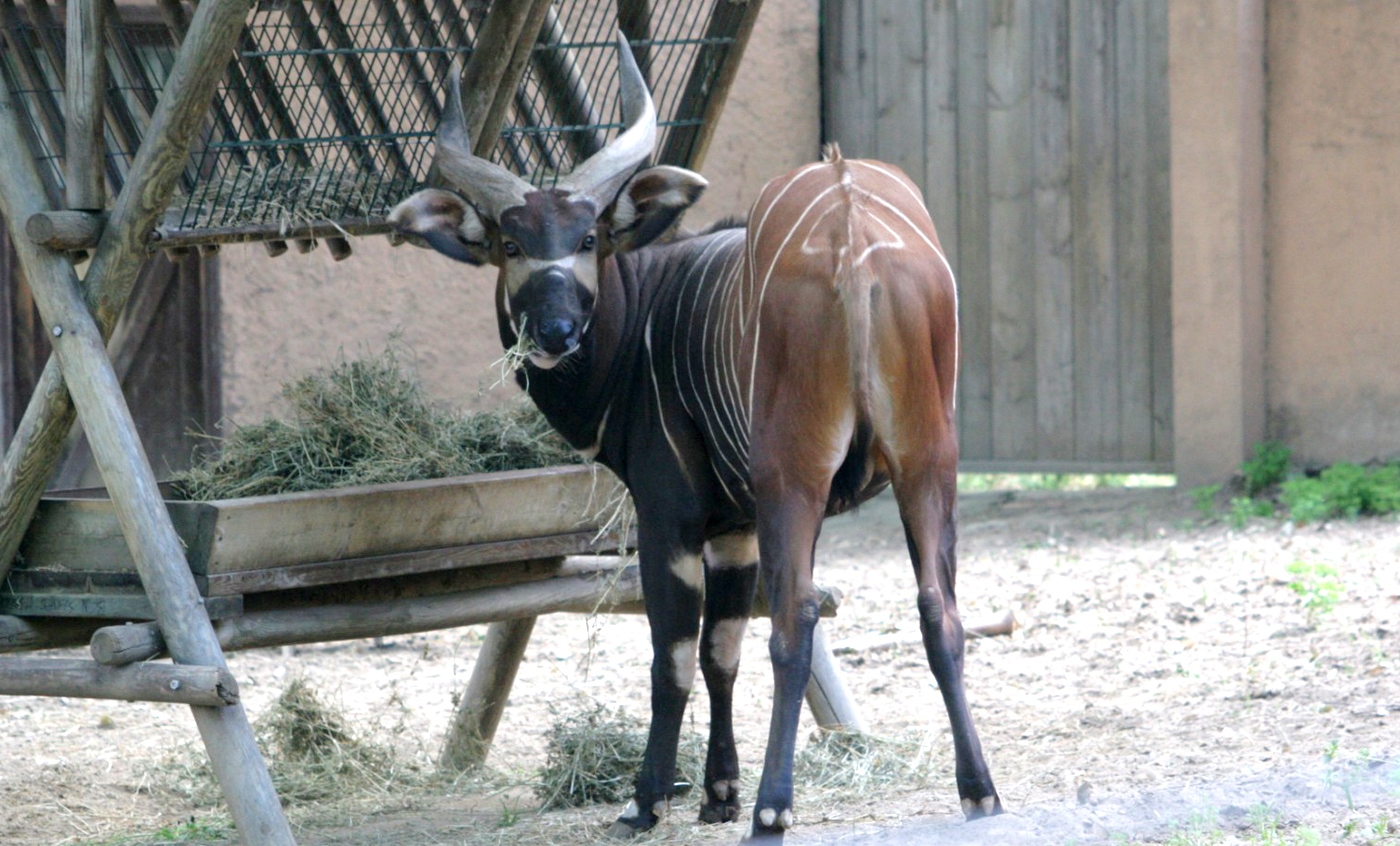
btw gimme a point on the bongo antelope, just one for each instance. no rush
(743, 384)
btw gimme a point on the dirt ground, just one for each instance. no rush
(1169, 673)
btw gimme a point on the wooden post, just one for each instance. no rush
(179, 683)
(493, 72)
(19, 634)
(686, 146)
(87, 87)
(827, 694)
(479, 713)
(66, 230)
(79, 348)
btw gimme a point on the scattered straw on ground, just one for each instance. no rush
(368, 422)
(592, 757)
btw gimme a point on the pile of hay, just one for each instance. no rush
(846, 761)
(368, 422)
(314, 756)
(593, 756)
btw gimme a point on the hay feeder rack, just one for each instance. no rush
(177, 126)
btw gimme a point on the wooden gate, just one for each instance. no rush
(1038, 130)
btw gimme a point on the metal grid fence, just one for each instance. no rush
(328, 109)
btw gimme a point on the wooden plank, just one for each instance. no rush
(84, 534)
(382, 519)
(479, 712)
(848, 35)
(86, 89)
(709, 84)
(1011, 223)
(264, 539)
(899, 84)
(1159, 228)
(1096, 293)
(974, 254)
(1131, 204)
(405, 564)
(112, 606)
(18, 634)
(940, 178)
(1053, 243)
(578, 593)
(178, 683)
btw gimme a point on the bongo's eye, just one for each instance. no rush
(588, 243)
(511, 248)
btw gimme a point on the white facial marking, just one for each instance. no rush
(727, 642)
(683, 662)
(689, 569)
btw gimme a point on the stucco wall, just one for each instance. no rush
(284, 317)
(1333, 231)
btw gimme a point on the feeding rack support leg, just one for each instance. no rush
(79, 349)
(478, 715)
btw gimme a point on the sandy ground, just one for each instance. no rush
(1168, 671)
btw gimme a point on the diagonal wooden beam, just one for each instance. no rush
(80, 352)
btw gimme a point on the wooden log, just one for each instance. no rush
(124, 644)
(487, 71)
(686, 146)
(993, 626)
(117, 646)
(66, 230)
(583, 594)
(479, 712)
(828, 697)
(87, 85)
(20, 634)
(275, 248)
(180, 683)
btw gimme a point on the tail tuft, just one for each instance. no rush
(831, 152)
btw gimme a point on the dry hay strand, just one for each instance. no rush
(290, 196)
(592, 757)
(312, 755)
(858, 762)
(368, 422)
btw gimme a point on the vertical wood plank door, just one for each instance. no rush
(165, 351)
(1038, 131)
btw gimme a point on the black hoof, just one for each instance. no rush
(721, 803)
(632, 823)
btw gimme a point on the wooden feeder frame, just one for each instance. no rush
(63, 153)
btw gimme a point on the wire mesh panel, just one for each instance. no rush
(327, 110)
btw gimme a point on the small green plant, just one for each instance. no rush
(1267, 468)
(1343, 490)
(1269, 832)
(1243, 509)
(1204, 500)
(1319, 587)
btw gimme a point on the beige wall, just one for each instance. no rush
(284, 317)
(1286, 260)
(1334, 228)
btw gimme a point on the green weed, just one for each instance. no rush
(1243, 509)
(1343, 490)
(1204, 500)
(1267, 468)
(1319, 587)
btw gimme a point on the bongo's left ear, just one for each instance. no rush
(649, 203)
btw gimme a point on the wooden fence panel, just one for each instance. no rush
(1038, 130)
